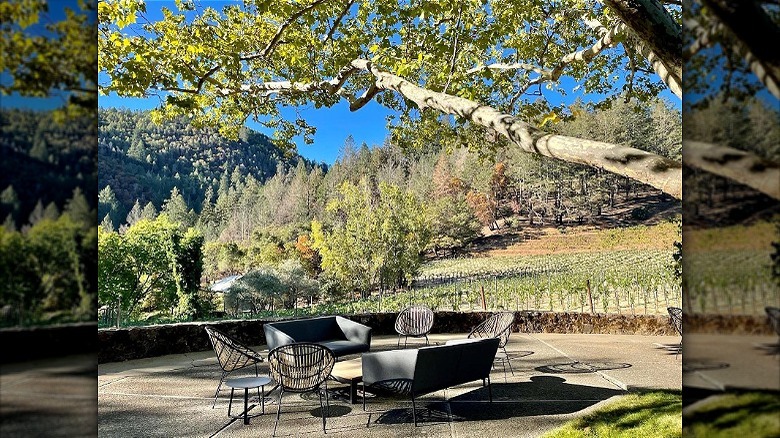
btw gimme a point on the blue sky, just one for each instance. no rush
(333, 124)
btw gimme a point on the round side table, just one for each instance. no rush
(247, 383)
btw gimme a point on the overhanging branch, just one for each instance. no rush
(737, 165)
(642, 166)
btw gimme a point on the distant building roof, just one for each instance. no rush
(224, 283)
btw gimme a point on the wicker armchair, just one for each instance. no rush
(675, 316)
(232, 355)
(301, 367)
(414, 321)
(774, 317)
(499, 325)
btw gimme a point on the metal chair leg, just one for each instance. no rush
(278, 411)
(327, 398)
(257, 374)
(506, 354)
(322, 410)
(230, 404)
(490, 391)
(216, 394)
(414, 411)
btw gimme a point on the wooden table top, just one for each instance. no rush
(348, 369)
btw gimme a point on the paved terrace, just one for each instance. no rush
(557, 377)
(171, 396)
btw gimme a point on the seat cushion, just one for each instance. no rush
(342, 348)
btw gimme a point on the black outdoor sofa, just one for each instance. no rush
(428, 369)
(341, 335)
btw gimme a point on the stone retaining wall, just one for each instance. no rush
(30, 343)
(139, 342)
(728, 324)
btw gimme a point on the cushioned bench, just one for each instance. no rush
(428, 369)
(341, 335)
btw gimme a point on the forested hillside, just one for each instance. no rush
(38, 154)
(48, 195)
(365, 223)
(142, 161)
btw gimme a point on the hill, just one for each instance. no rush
(140, 160)
(44, 162)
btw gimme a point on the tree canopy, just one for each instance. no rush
(43, 56)
(485, 64)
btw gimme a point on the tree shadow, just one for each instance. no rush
(769, 349)
(578, 367)
(542, 395)
(671, 349)
(692, 365)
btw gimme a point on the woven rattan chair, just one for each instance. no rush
(301, 367)
(414, 321)
(499, 325)
(774, 318)
(232, 355)
(675, 316)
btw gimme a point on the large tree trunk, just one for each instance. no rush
(659, 172)
(655, 27)
(748, 21)
(737, 165)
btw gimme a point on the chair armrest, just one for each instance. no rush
(389, 365)
(354, 331)
(275, 337)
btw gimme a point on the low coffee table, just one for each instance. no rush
(350, 372)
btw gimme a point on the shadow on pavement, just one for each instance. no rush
(543, 395)
(577, 367)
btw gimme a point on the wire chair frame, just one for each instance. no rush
(499, 325)
(415, 321)
(675, 315)
(301, 367)
(232, 355)
(774, 317)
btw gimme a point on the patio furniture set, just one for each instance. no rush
(305, 353)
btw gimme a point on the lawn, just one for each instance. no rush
(654, 414)
(753, 414)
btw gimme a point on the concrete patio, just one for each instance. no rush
(557, 377)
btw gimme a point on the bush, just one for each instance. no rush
(641, 213)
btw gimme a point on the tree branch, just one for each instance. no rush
(643, 166)
(653, 25)
(275, 40)
(454, 53)
(608, 39)
(338, 21)
(366, 97)
(673, 82)
(766, 73)
(740, 166)
(748, 22)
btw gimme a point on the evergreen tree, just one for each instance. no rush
(135, 214)
(51, 212)
(149, 211)
(37, 213)
(79, 210)
(176, 209)
(107, 225)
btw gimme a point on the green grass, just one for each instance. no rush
(754, 415)
(656, 414)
